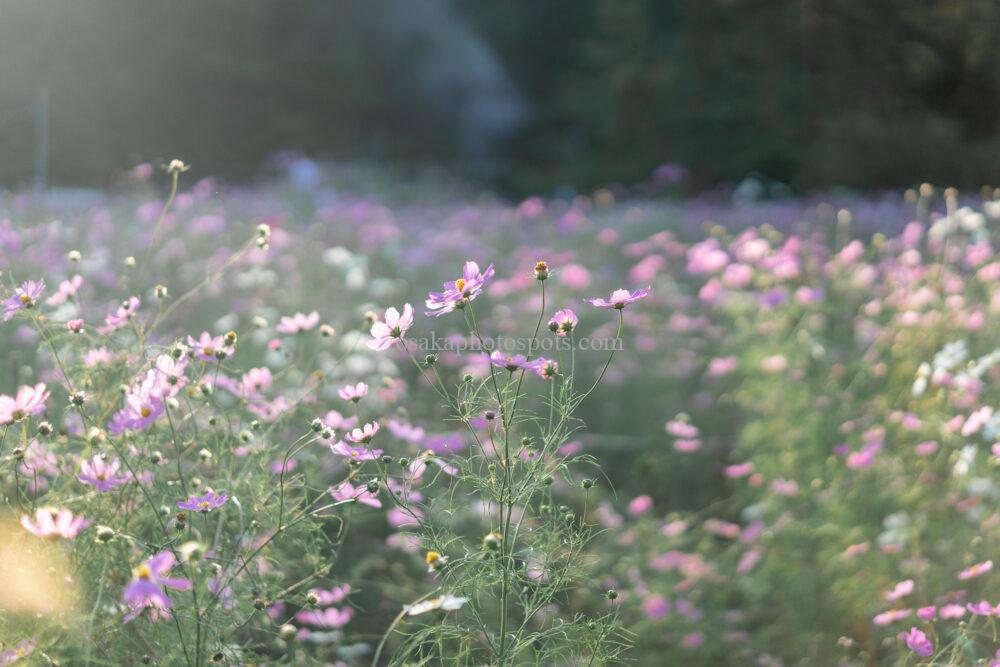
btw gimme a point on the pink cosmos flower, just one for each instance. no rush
(546, 369)
(332, 596)
(355, 453)
(976, 570)
(512, 362)
(563, 322)
(75, 326)
(891, 616)
(23, 298)
(121, 316)
(346, 491)
(952, 611)
(327, 618)
(918, 643)
(388, 333)
(419, 465)
(927, 613)
(298, 323)
(101, 473)
(209, 348)
(619, 298)
(353, 392)
(204, 503)
(460, 291)
(687, 445)
(681, 429)
(981, 608)
(364, 434)
(656, 607)
(640, 505)
(54, 523)
(146, 588)
(738, 470)
(901, 590)
(67, 288)
(27, 401)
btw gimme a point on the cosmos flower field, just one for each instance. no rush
(370, 422)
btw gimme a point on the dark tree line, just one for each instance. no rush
(531, 95)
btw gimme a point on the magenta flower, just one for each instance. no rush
(23, 298)
(101, 473)
(332, 596)
(563, 322)
(353, 392)
(209, 348)
(512, 362)
(27, 401)
(918, 643)
(298, 323)
(387, 333)
(143, 404)
(146, 587)
(364, 434)
(971, 572)
(120, 317)
(355, 453)
(619, 298)
(327, 618)
(204, 503)
(981, 608)
(346, 491)
(458, 292)
(54, 523)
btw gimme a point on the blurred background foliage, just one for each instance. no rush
(525, 96)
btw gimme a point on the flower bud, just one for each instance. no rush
(541, 271)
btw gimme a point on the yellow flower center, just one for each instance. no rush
(24, 298)
(203, 504)
(207, 351)
(143, 572)
(432, 557)
(101, 477)
(460, 284)
(145, 411)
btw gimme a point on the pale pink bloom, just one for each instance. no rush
(901, 590)
(298, 323)
(681, 429)
(775, 363)
(346, 491)
(391, 331)
(926, 448)
(640, 505)
(976, 570)
(977, 420)
(353, 392)
(687, 446)
(363, 434)
(855, 549)
(26, 402)
(54, 523)
(891, 616)
(927, 613)
(952, 611)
